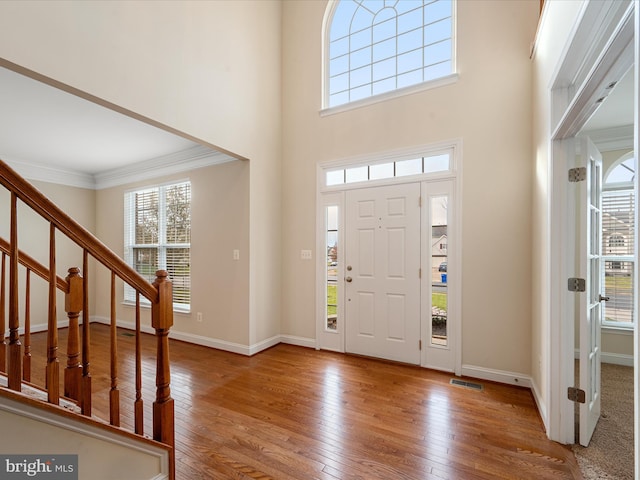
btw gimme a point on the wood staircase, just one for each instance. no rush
(15, 356)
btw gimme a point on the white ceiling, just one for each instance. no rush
(44, 126)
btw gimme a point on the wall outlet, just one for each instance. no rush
(199, 317)
(236, 254)
(305, 254)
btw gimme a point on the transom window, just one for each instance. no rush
(381, 171)
(157, 234)
(377, 46)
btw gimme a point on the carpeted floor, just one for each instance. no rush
(610, 453)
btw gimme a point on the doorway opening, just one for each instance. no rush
(586, 78)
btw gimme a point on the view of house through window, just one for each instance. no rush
(377, 46)
(439, 289)
(618, 241)
(158, 237)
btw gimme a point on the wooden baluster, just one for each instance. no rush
(15, 347)
(162, 321)
(138, 404)
(114, 393)
(26, 361)
(73, 307)
(3, 324)
(85, 402)
(53, 367)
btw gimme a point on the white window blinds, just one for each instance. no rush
(618, 242)
(157, 235)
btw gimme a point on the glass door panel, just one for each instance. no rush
(332, 267)
(439, 287)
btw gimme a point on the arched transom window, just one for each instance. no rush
(377, 46)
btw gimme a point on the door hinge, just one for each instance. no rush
(577, 285)
(577, 174)
(420, 201)
(576, 395)
(420, 344)
(419, 273)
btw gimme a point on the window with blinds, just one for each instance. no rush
(618, 241)
(157, 234)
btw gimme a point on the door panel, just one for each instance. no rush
(382, 264)
(590, 310)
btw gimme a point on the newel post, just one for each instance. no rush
(73, 306)
(162, 321)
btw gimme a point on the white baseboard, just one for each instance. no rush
(263, 345)
(224, 345)
(299, 341)
(542, 406)
(184, 337)
(500, 376)
(617, 359)
(613, 358)
(42, 327)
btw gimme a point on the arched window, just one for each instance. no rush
(622, 171)
(377, 46)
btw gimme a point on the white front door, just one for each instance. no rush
(382, 272)
(590, 310)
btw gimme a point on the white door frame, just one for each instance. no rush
(600, 50)
(335, 195)
(636, 279)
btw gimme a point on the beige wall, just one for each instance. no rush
(220, 224)
(33, 238)
(489, 108)
(209, 69)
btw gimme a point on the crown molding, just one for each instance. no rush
(45, 173)
(189, 159)
(614, 138)
(182, 161)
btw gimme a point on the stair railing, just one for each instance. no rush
(16, 361)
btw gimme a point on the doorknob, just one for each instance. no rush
(603, 299)
(348, 279)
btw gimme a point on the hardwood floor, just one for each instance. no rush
(296, 413)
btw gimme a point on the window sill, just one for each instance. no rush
(147, 305)
(401, 92)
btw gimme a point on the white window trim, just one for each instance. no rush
(128, 292)
(608, 326)
(400, 92)
(453, 147)
(383, 97)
